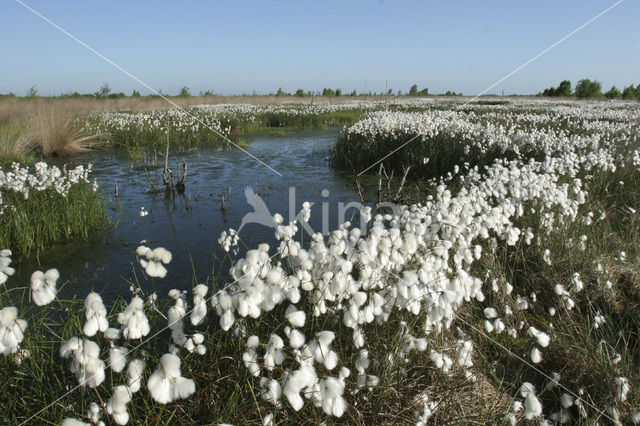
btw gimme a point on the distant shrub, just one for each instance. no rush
(564, 89)
(586, 89)
(631, 93)
(613, 93)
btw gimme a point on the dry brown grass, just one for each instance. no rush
(46, 126)
(55, 132)
(15, 143)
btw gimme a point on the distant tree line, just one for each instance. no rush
(105, 92)
(585, 89)
(591, 89)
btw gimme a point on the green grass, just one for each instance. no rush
(356, 153)
(581, 353)
(48, 217)
(15, 144)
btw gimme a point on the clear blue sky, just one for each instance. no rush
(233, 47)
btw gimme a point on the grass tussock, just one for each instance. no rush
(48, 129)
(56, 133)
(15, 143)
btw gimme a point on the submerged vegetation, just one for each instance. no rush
(509, 294)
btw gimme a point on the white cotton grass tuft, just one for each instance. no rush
(464, 352)
(536, 355)
(622, 388)
(94, 412)
(85, 361)
(614, 413)
(133, 320)
(561, 417)
(305, 378)
(43, 286)
(490, 313)
(427, 407)
(228, 239)
(599, 320)
(118, 358)
(532, 405)
(112, 334)
(541, 337)
(5, 270)
(271, 391)
(134, 375)
(227, 319)
(319, 348)
(73, 422)
(273, 355)
(250, 356)
(96, 315)
(11, 330)
(362, 362)
(332, 402)
(295, 317)
(117, 405)
(566, 400)
(296, 337)
(576, 279)
(199, 304)
(175, 315)
(153, 265)
(268, 420)
(441, 360)
(194, 343)
(166, 384)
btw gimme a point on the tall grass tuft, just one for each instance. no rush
(56, 133)
(15, 143)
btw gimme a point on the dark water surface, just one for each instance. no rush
(189, 224)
